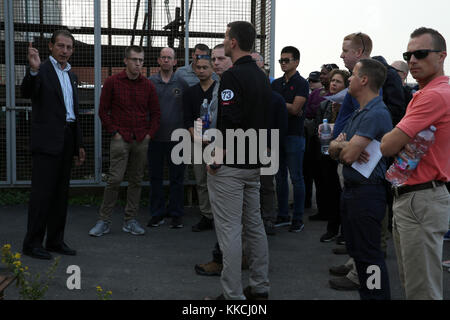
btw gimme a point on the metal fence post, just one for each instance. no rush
(272, 38)
(97, 91)
(186, 32)
(10, 92)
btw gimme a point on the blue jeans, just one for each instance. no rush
(363, 208)
(291, 157)
(157, 153)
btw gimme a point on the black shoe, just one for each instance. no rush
(340, 271)
(343, 284)
(37, 253)
(282, 222)
(203, 224)
(62, 249)
(328, 237)
(176, 223)
(340, 250)
(296, 226)
(340, 240)
(269, 228)
(255, 296)
(156, 221)
(318, 217)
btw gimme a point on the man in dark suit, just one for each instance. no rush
(55, 142)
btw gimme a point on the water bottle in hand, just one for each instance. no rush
(403, 166)
(325, 136)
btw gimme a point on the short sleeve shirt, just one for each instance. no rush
(295, 87)
(430, 106)
(372, 122)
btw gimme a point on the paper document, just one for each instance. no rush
(366, 169)
(338, 97)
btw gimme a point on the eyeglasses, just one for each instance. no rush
(419, 54)
(203, 56)
(137, 60)
(285, 60)
(359, 34)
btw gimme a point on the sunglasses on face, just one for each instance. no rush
(285, 60)
(203, 56)
(419, 54)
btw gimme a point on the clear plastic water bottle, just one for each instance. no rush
(401, 170)
(325, 136)
(205, 116)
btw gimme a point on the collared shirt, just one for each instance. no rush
(170, 96)
(297, 86)
(372, 122)
(66, 87)
(188, 75)
(430, 106)
(130, 107)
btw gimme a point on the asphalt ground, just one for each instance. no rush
(160, 264)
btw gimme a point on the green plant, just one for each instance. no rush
(102, 295)
(13, 197)
(30, 287)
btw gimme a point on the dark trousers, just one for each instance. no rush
(267, 198)
(329, 193)
(311, 168)
(158, 152)
(363, 209)
(47, 210)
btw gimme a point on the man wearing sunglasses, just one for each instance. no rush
(422, 204)
(295, 90)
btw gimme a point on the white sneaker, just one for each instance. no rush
(100, 228)
(133, 227)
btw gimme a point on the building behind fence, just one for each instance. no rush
(102, 29)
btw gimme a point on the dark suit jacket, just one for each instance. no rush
(49, 111)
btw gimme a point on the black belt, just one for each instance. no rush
(398, 191)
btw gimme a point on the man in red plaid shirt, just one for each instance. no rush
(129, 111)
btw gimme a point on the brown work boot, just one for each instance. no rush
(209, 269)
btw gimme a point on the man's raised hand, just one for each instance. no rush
(33, 58)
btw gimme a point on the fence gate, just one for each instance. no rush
(102, 29)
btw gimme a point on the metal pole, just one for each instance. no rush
(186, 32)
(272, 39)
(97, 90)
(8, 43)
(10, 92)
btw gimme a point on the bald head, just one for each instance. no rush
(402, 69)
(167, 59)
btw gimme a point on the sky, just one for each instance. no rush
(317, 28)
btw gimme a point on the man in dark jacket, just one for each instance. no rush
(55, 142)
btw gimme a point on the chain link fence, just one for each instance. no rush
(102, 30)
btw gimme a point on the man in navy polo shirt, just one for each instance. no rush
(295, 90)
(363, 201)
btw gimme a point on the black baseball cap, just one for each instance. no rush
(314, 76)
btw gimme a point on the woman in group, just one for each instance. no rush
(329, 188)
